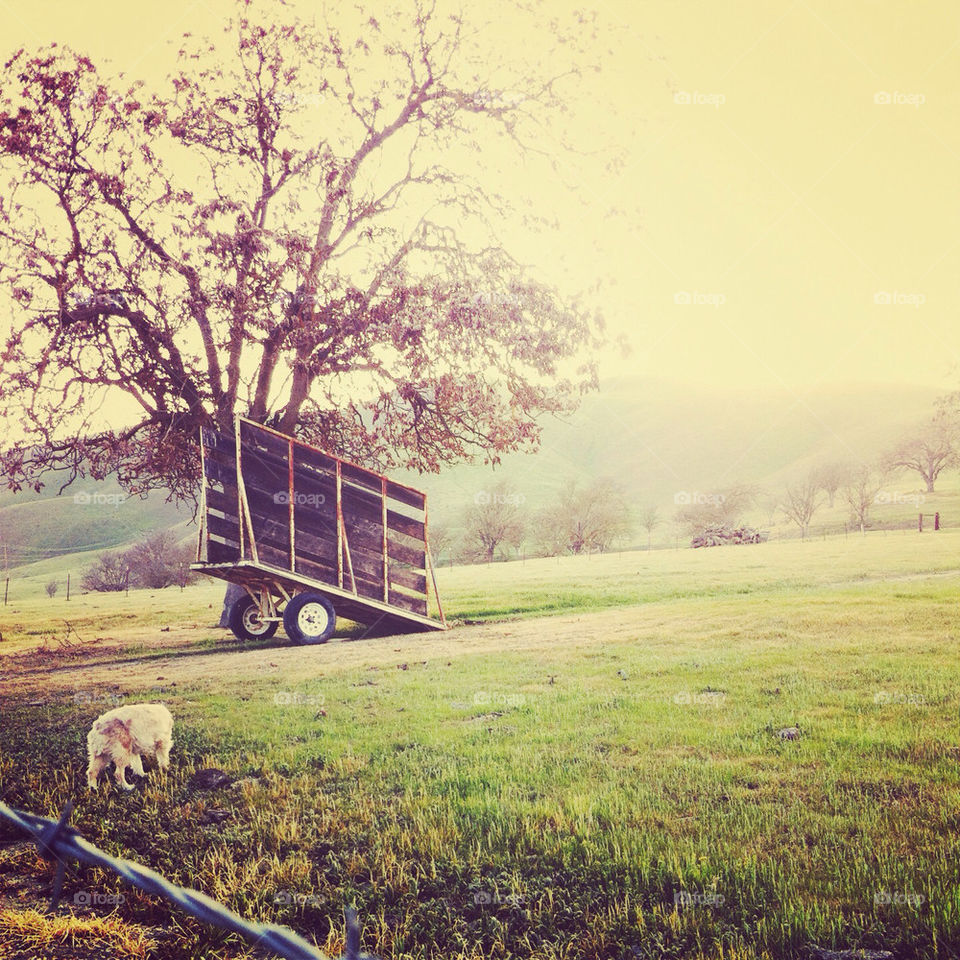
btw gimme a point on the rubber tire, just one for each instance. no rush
(237, 622)
(291, 618)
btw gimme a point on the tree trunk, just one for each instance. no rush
(930, 481)
(233, 593)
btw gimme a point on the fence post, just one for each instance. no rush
(936, 520)
(920, 523)
(6, 589)
(68, 586)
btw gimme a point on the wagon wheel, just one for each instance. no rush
(309, 618)
(245, 621)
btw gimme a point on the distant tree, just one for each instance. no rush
(159, 561)
(800, 501)
(441, 539)
(702, 511)
(110, 573)
(494, 522)
(51, 588)
(650, 520)
(587, 518)
(830, 478)
(863, 484)
(928, 450)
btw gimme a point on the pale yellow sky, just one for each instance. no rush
(786, 212)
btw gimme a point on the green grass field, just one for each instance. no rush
(604, 783)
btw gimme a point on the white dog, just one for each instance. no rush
(126, 734)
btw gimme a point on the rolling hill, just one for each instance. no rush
(658, 438)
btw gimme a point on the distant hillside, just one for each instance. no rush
(659, 439)
(88, 515)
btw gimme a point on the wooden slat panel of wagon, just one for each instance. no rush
(407, 495)
(222, 473)
(405, 577)
(224, 528)
(367, 565)
(365, 611)
(414, 604)
(223, 501)
(222, 552)
(411, 556)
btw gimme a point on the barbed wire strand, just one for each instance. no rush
(60, 842)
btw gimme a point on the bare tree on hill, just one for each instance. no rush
(650, 520)
(801, 499)
(724, 508)
(585, 518)
(928, 450)
(830, 477)
(860, 492)
(494, 523)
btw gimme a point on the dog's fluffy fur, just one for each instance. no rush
(126, 734)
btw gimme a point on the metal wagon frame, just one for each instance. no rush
(311, 536)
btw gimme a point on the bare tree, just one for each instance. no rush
(725, 508)
(800, 500)
(441, 539)
(159, 561)
(650, 520)
(51, 588)
(927, 450)
(110, 573)
(587, 518)
(863, 484)
(830, 477)
(494, 522)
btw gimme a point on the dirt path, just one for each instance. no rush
(199, 668)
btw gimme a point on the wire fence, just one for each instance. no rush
(59, 842)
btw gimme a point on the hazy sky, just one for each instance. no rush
(786, 212)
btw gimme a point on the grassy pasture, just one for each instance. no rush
(607, 782)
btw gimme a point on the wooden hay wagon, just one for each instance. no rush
(310, 536)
